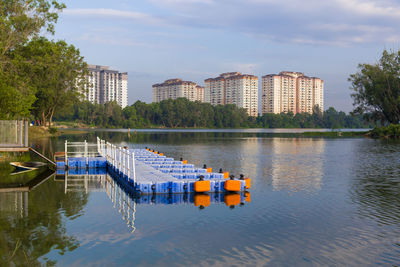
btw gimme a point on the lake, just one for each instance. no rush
(314, 201)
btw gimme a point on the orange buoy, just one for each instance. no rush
(226, 175)
(161, 154)
(209, 170)
(232, 185)
(232, 199)
(202, 186)
(202, 200)
(184, 161)
(247, 181)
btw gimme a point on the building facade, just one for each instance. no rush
(233, 88)
(291, 91)
(175, 88)
(105, 85)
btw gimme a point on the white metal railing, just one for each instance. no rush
(120, 158)
(80, 149)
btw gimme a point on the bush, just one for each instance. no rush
(389, 132)
(53, 130)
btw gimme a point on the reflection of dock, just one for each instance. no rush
(30, 185)
(126, 202)
(14, 197)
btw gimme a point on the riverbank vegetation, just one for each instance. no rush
(182, 113)
(376, 94)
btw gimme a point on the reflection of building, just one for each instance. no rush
(176, 88)
(107, 85)
(291, 91)
(297, 164)
(233, 88)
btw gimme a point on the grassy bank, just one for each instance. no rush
(335, 134)
(39, 131)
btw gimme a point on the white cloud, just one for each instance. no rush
(114, 13)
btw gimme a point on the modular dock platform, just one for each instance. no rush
(146, 172)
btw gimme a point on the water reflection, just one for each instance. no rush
(33, 223)
(376, 187)
(297, 164)
(120, 199)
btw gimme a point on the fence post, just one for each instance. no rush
(20, 133)
(26, 133)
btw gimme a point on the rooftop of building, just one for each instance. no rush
(231, 75)
(175, 81)
(99, 68)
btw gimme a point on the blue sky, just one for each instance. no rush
(155, 40)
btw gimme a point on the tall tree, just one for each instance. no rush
(377, 88)
(56, 70)
(20, 20)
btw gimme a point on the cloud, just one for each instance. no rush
(312, 22)
(114, 13)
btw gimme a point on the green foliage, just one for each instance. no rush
(20, 20)
(182, 113)
(55, 70)
(15, 99)
(389, 132)
(53, 130)
(377, 88)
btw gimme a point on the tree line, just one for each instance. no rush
(182, 113)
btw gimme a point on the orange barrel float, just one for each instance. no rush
(202, 186)
(232, 185)
(246, 180)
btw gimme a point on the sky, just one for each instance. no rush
(156, 40)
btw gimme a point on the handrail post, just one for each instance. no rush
(127, 165)
(119, 159)
(86, 154)
(133, 167)
(66, 153)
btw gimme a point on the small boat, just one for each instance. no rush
(26, 166)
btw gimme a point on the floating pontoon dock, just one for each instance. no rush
(145, 172)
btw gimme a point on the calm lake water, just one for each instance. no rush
(314, 201)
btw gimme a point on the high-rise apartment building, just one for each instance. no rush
(106, 85)
(233, 88)
(175, 88)
(291, 91)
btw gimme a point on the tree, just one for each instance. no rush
(20, 20)
(377, 88)
(57, 72)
